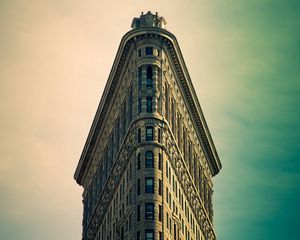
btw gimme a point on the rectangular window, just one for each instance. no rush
(149, 210)
(159, 135)
(139, 135)
(160, 213)
(139, 105)
(173, 110)
(173, 183)
(138, 161)
(160, 187)
(149, 234)
(175, 232)
(149, 159)
(167, 195)
(130, 171)
(149, 79)
(138, 236)
(138, 213)
(149, 133)
(130, 98)
(149, 50)
(140, 71)
(184, 142)
(167, 101)
(149, 185)
(167, 170)
(149, 104)
(160, 236)
(138, 186)
(179, 130)
(140, 52)
(159, 161)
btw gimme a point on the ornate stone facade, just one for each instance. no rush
(149, 159)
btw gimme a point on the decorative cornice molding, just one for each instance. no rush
(188, 186)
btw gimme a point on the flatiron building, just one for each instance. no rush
(148, 161)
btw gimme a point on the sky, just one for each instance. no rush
(244, 60)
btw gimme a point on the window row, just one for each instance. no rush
(108, 156)
(149, 186)
(149, 51)
(149, 160)
(149, 134)
(94, 192)
(110, 231)
(187, 147)
(149, 105)
(149, 76)
(178, 204)
(149, 211)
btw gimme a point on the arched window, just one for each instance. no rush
(149, 81)
(149, 159)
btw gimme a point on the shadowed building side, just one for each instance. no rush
(149, 159)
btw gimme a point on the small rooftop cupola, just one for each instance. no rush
(149, 20)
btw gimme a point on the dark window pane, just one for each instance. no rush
(160, 213)
(160, 187)
(138, 212)
(149, 50)
(149, 160)
(149, 104)
(149, 133)
(139, 105)
(160, 236)
(159, 135)
(139, 161)
(149, 210)
(139, 78)
(149, 80)
(138, 186)
(139, 135)
(159, 161)
(149, 185)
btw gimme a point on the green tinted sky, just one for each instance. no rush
(243, 58)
